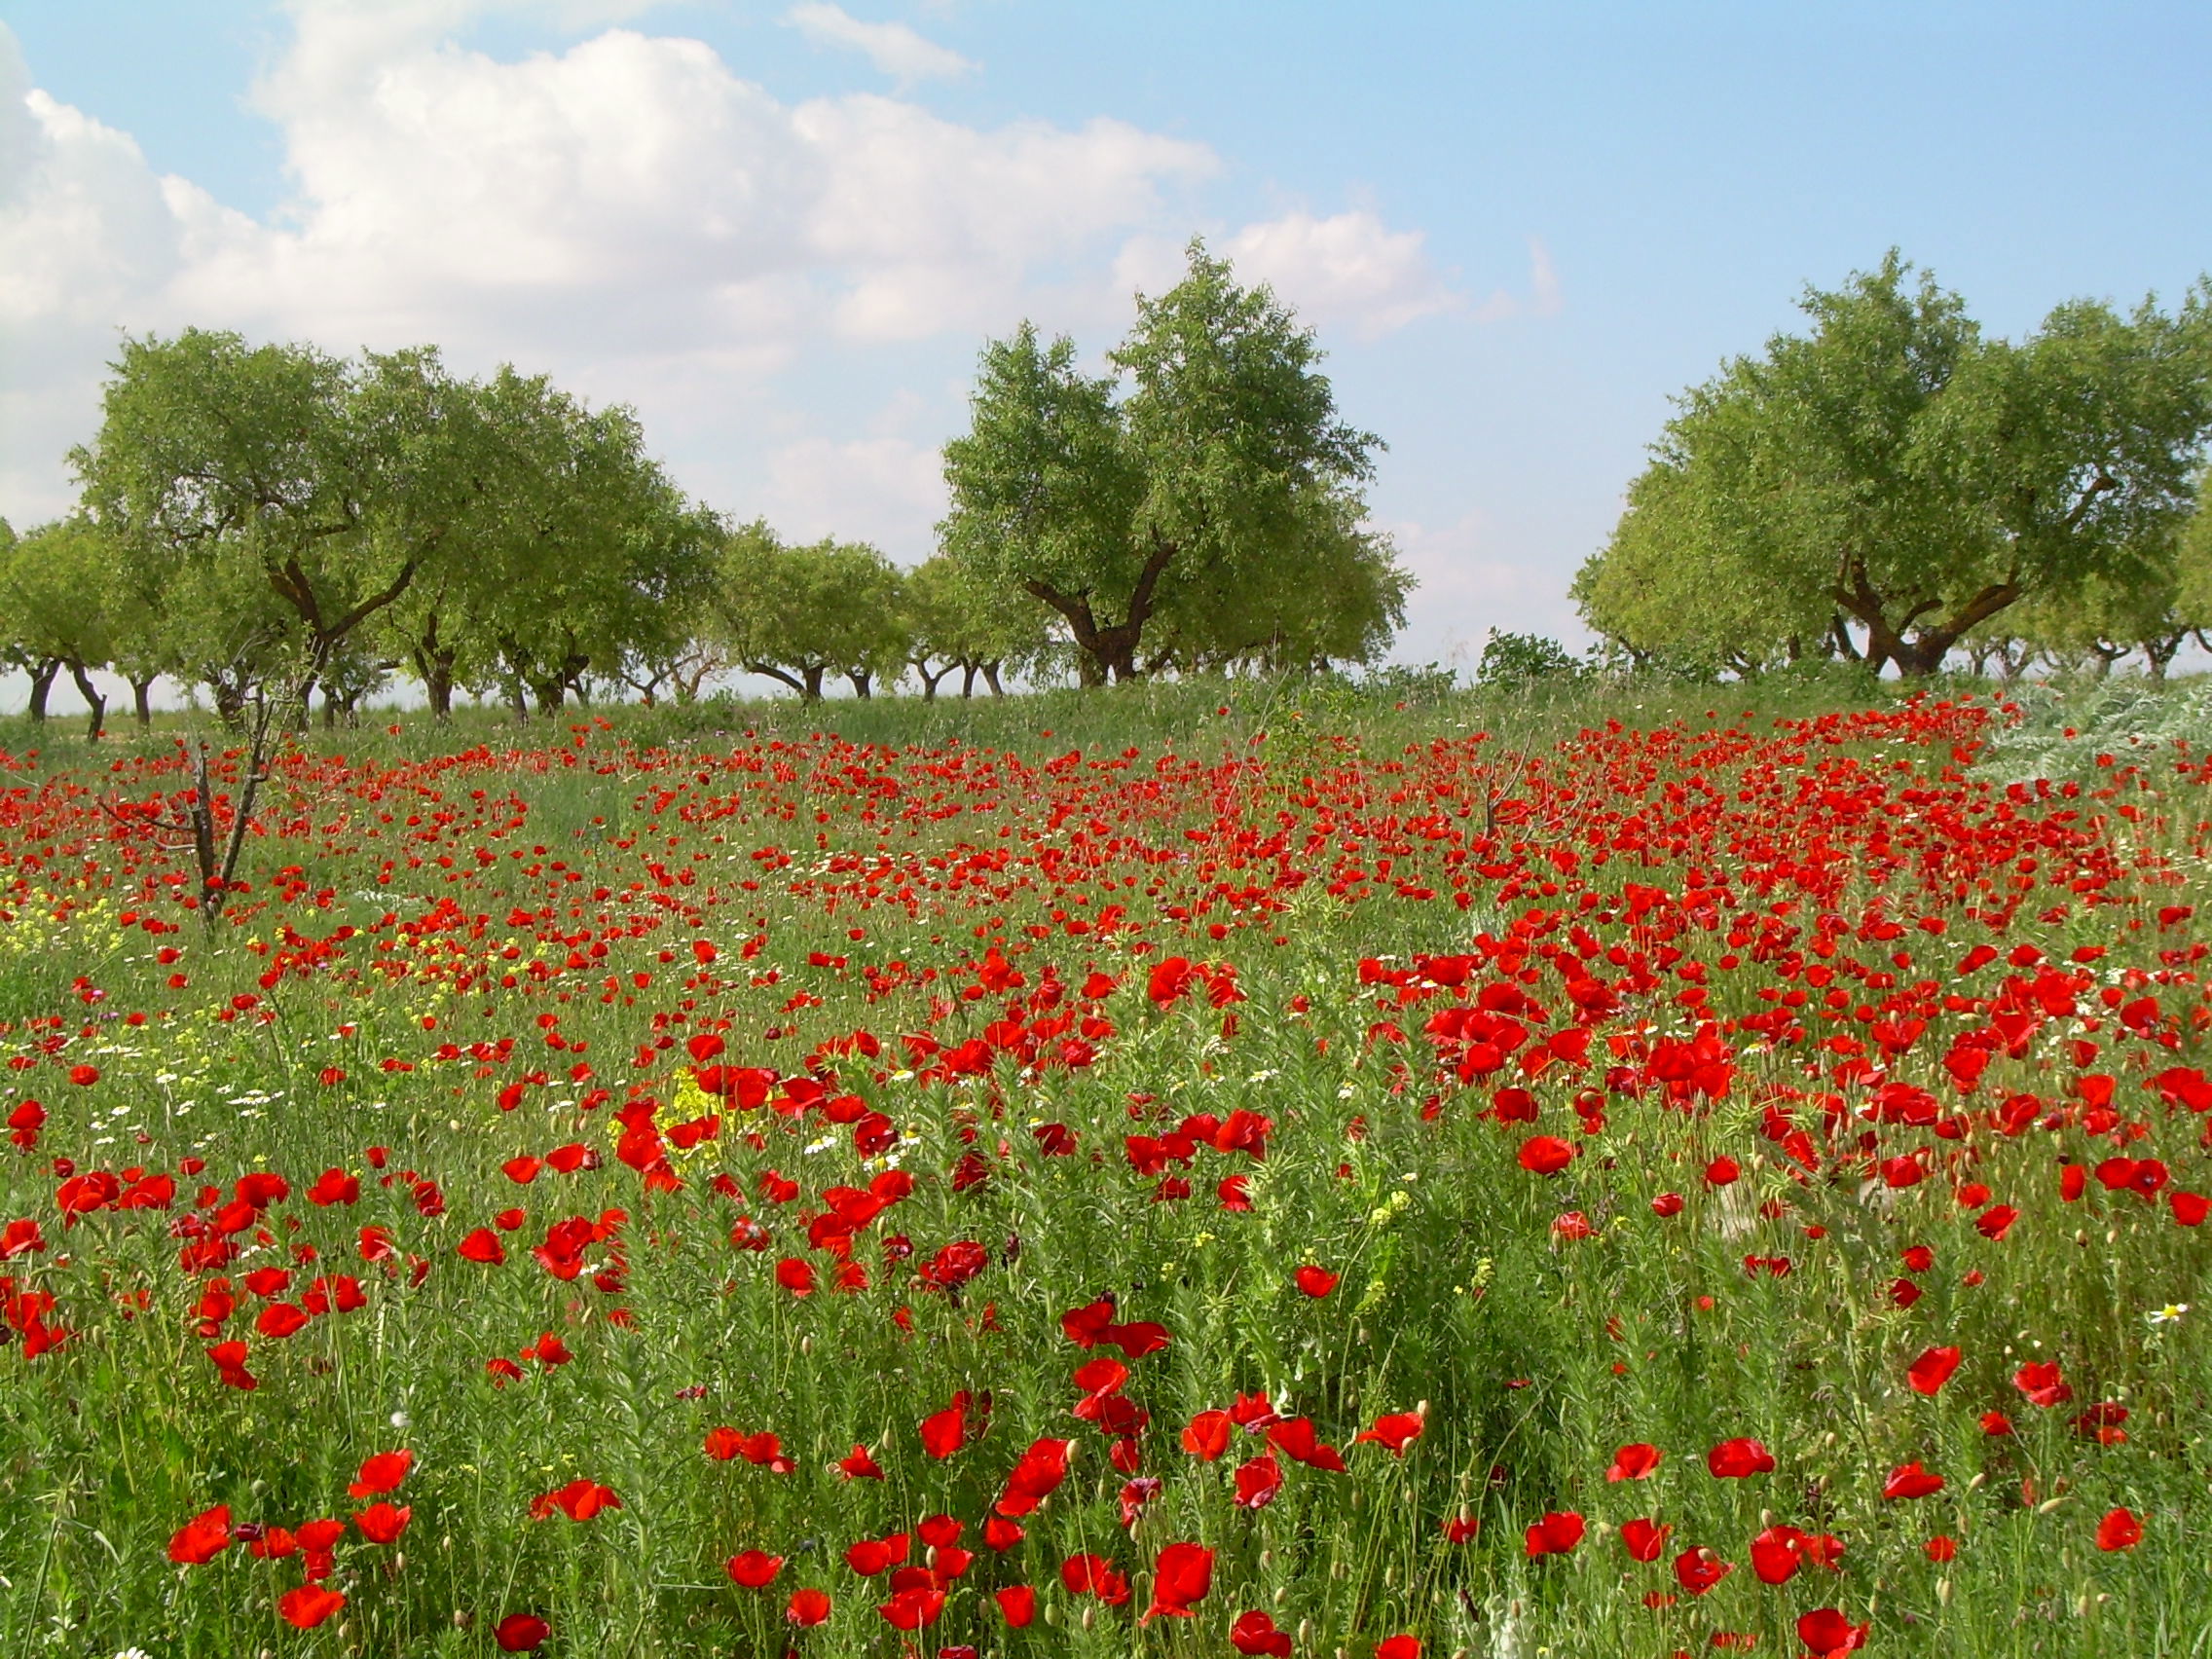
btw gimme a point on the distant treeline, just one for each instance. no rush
(265, 522)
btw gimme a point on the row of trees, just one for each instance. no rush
(1895, 486)
(271, 520)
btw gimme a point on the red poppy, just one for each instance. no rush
(203, 1537)
(280, 1319)
(945, 1432)
(1634, 1463)
(1018, 1605)
(1002, 1534)
(1667, 1204)
(1910, 1480)
(1546, 1155)
(382, 1522)
(1737, 1460)
(481, 1245)
(872, 1556)
(1644, 1539)
(1089, 1574)
(755, 1570)
(1461, 1527)
(1255, 1632)
(380, 1474)
(795, 1276)
(308, 1605)
(1398, 1647)
(1777, 1554)
(1557, 1534)
(1828, 1633)
(1180, 1579)
(1933, 1369)
(1314, 1281)
(521, 1633)
(1258, 1481)
(1941, 1548)
(858, 1466)
(2119, 1529)
(1700, 1569)
(578, 1501)
(1394, 1431)
(1208, 1436)
(1296, 1439)
(1037, 1474)
(807, 1609)
(2043, 1383)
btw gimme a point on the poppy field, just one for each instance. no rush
(1735, 1183)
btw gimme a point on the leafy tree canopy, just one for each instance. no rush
(1894, 466)
(1209, 484)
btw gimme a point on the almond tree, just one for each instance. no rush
(1213, 462)
(1895, 467)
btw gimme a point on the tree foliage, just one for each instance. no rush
(1206, 494)
(797, 615)
(1896, 471)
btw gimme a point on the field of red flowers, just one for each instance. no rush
(1736, 1185)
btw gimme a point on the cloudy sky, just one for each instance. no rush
(782, 231)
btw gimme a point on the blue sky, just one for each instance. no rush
(1517, 229)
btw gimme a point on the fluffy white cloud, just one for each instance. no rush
(629, 213)
(894, 49)
(634, 216)
(1348, 268)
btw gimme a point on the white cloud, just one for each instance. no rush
(888, 491)
(628, 213)
(894, 49)
(1348, 268)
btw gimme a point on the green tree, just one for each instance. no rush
(214, 453)
(1224, 469)
(796, 615)
(576, 552)
(54, 585)
(1895, 465)
(959, 622)
(1674, 590)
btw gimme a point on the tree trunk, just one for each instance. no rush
(929, 681)
(434, 667)
(329, 709)
(1109, 651)
(991, 678)
(42, 684)
(518, 702)
(811, 692)
(229, 701)
(141, 699)
(968, 679)
(1918, 651)
(864, 683)
(2157, 651)
(94, 704)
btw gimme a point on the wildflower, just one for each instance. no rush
(2169, 1315)
(2119, 1529)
